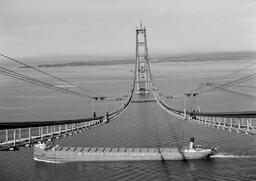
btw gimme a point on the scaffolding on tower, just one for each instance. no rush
(142, 61)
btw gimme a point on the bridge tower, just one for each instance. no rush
(142, 61)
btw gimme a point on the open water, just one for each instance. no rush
(142, 125)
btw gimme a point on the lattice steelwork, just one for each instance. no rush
(142, 61)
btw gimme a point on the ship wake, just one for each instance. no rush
(46, 161)
(226, 155)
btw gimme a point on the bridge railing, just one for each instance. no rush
(12, 136)
(241, 122)
(15, 134)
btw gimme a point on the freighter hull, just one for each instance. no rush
(72, 154)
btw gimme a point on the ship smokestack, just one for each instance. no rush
(191, 143)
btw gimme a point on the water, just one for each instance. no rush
(142, 125)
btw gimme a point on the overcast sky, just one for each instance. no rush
(107, 27)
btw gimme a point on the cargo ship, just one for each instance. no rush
(59, 154)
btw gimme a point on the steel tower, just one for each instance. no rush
(142, 61)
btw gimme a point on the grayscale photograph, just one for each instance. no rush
(127, 90)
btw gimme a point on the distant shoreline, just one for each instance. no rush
(161, 59)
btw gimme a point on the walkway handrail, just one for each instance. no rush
(240, 114)
(28, 124)
(244, 114)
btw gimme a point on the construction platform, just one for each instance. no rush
(143, 100)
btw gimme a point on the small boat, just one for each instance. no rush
(59, 154)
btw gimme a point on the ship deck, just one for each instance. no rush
(115, 150)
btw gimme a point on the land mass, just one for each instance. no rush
(239, 55)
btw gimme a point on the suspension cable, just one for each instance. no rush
(37, 82)
(203, 85)
(57, 78)
(240, 80)
(237, 71)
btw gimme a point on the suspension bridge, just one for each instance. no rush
(144, 90)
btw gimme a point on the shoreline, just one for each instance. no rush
(182, 58)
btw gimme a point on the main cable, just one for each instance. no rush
(203, 85)
(34, 81)
(234, 82)
(57, 78)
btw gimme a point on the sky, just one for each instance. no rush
(107, 27)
